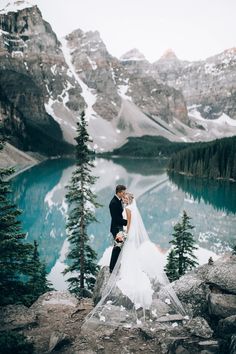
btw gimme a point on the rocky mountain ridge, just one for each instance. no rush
(32, 70)
(208, 85)
(45, 84)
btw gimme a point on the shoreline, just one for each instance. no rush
(202, 177)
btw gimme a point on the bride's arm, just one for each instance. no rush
(128, 214)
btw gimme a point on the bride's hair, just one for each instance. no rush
(129, 197)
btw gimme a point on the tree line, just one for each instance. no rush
(213, 160)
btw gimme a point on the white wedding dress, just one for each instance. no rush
(138, 290)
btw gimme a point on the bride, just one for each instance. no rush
(137, 290)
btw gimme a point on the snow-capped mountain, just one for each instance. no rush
(209, 86)
(33, 71)
(46, 83)
(122, 102)
(16, 5)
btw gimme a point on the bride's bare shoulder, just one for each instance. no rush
(127, 209)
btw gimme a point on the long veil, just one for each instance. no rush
(138, 289)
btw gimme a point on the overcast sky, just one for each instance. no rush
(194, 29)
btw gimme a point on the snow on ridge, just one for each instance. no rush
(89, 97)
(133, 59)
(225, 119)
(92, 63)
(122, 90)
(17, 5)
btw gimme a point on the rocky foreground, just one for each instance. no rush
(53, 323)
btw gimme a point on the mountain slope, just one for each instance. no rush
(208, 85)
(32, 71)
(45, 84)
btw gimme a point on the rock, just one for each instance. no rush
(209, 346)
(192, 292)
(222, 305)
(197, 80)
(222, 274)
(14, 317)
(227, 326)
(232, 347)
(33, 72)
(55, 298)
(100, 284)
(57, 339)
(198, 326)
(184, 346)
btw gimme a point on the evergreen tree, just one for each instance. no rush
(37, 283)
(184, 245)
(171, 266)
(215, 159)
(14, 253)
(82, 202)
(19, 261)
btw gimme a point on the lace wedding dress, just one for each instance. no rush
(138, 290)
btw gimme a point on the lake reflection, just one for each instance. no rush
(40, 193)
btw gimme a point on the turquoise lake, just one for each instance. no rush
(40, 194)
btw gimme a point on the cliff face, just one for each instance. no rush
(128, 78)
(208, 85)
(32, 71)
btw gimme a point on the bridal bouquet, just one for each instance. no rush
(124, 235)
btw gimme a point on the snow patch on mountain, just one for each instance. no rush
(16, 5)
(122, 91)
(88, 95)
(210, 129)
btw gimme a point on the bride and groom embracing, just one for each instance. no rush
(118, 220)
(137, 288)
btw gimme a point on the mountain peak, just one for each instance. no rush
(16, 5)
(169, 54)
(133, 54)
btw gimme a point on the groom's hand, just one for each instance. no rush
(119, 238)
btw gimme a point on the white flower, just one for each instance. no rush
(167, 301)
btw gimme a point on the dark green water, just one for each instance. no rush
(40, 193)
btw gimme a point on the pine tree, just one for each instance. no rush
(82, 202)
(14, 253)
(171, 266)
(37, 282)
(19, 261)
(184, 245)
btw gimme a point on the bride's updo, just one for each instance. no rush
(128, 198)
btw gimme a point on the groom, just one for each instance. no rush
(117, 222)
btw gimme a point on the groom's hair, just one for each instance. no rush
(120, 188)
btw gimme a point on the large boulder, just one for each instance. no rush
(227, 326)
(222, 305)
(192, 292)
(221, 274)
(199, 327)
(100, 284)
(16, 317)
(194, 288)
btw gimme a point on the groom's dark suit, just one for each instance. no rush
(117, 223)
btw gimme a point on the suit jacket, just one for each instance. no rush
(117, 221)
